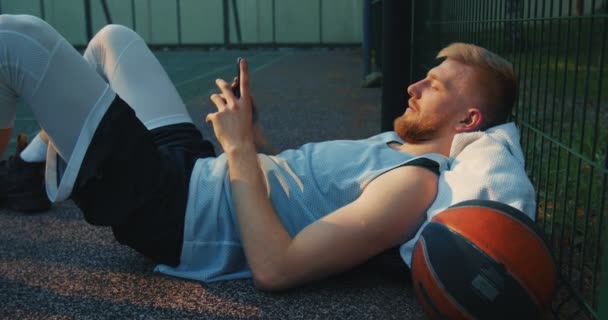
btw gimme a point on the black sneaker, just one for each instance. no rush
(22, 183)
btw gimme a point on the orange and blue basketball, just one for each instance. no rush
(482, 259)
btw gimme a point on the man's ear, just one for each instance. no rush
(471, 122)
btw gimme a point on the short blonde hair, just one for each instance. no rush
(496, 80)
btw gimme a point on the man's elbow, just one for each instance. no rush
(270, 280)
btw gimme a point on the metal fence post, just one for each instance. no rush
(602, 310)
(396, 22)
(133, 17)
(88, 19)
(237, 22)
(366, 37)
(225, 12)
(320, 21)
(274, 23)
(603, 307)
(42, 11)
(179, 22)
(420, 40)
(106, 11)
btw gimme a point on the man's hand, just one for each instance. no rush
(261, 143)
(254, 112)
(233, 122)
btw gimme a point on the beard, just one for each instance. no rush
(413, 129)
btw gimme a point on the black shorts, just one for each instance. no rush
(136, 181)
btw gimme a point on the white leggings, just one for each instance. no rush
(69, 93)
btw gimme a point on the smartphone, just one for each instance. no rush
(237, 89)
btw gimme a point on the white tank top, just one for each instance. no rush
(304, 185)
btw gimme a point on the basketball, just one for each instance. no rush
(482, 259)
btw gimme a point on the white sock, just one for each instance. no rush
(35, 150)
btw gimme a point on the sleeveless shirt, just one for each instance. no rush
(303, 185)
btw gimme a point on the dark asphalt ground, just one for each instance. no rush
(55, 266)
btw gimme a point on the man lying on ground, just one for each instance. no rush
(122, 145)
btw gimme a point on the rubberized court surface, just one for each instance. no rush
(55, 266)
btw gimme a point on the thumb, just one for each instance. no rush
(210, 117)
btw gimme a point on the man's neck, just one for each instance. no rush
(440, 145)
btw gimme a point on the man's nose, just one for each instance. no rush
(414, 90)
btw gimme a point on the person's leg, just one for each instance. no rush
(66, 96)
(42, 68)
(154, 225)
(119, 171)
(35, 150)
(124, 60)
(152, 217)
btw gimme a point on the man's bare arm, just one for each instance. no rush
(388, 212)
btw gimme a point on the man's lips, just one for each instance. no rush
(411, 105)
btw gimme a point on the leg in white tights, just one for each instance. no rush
(121, 57)
(68, 97)
(42, 68)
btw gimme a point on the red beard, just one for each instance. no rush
(412, 129)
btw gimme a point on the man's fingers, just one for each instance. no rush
(236, 87)
(225, 88)
(244, 77)
(219, 101)
(210, 117)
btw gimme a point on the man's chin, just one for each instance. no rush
(413, 133)
(404, 134)
(401, 121)
(401, 125)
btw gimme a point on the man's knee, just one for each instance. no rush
(29, 26)
(114, 35)
(23, 24)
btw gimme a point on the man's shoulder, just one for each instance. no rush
(402, 180)
(398, 200)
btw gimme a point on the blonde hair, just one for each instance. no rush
(497, 83)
